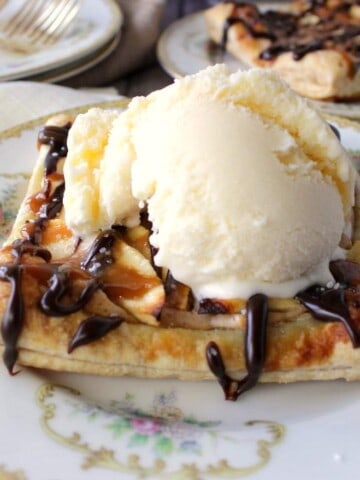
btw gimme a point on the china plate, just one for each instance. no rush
(98, 21)
(79, 66)
(184, 48)
(57, 426)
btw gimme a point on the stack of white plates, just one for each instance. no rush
(91, 38)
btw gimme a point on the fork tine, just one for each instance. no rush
(28, 27)
(56, 16)
(26, 15)
(50, 12)
(58, 22)
(39, 22)
(62, 23)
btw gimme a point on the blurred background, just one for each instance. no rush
(133, 68)
(133, 46)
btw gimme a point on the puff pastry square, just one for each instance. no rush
(313, 45)
(101, 307)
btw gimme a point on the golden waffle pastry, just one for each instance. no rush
(101, 307)
(313, 45)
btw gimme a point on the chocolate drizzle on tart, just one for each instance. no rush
(93, 328)
(59, 284)
(56, 138)
(337, 303)
(214, 307)
(100, 253)
(13, 319)
(320, 25)
(334, 304)
(255, 350)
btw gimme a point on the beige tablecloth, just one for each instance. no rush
(24, 101)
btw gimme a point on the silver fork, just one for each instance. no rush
(38, 23)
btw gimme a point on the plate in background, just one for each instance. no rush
(96, 24)
(79, 66)
(184, 48)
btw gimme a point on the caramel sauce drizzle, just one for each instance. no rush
(125, 282)
(296, 32)
(32, 231)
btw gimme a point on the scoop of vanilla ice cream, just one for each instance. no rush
(247, 187)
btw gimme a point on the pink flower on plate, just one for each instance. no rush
(146, 426)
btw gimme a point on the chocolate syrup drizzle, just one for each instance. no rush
(255, 350)
(56, 138)
(100, 254)
(214, 307)
(296, 32)
(97, 259)
(93, 328)
(50, 302)
(329, 304)
(13, 320)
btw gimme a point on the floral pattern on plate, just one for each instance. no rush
(6, 474)
(12, 191)
(160, 442)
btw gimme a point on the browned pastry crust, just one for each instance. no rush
(294, 46)
(174, 343)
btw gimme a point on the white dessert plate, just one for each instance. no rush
(97, 23)
(58, 426)
(78, 66)
(184, 48)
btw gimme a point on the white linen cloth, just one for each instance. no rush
(24, 101)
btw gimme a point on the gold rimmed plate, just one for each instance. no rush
(61, 426)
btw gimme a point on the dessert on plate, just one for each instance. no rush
(313, 44)
(208, 231)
